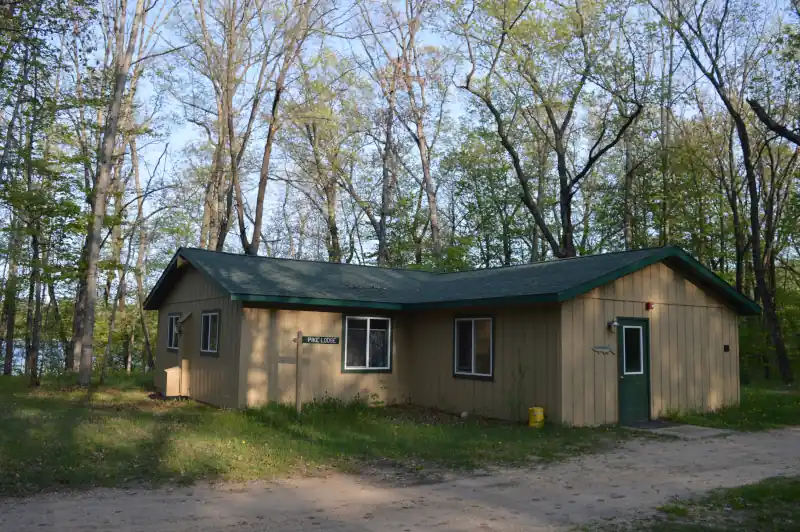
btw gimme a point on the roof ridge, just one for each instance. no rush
(562, 259)
(244, 255)
(527, 264)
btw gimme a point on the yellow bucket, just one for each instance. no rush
(536, 417)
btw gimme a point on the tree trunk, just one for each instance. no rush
(62, 333)
(387, 168)
(76, 344)
(9, 139)
(627, 194)
(127, 350)
(333, 244)
(325, 183)
(668, 55)
(35, 321)
(770, 312)
(292, 51)
(26, 369)
(112, 323)
(418, 237)
(739, 251)
(507, 251)
(10, 300)
(387, 189)
(433, 208)
(118, 306)
(123, 59)
(210, 227)
(118, 190)
(567, 243)
(205, 224)
(225, 221)
(140, 265)
(541, 176)
(150, 362)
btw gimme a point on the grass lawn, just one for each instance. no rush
(761, 408)
(61, 437)
(771, 505)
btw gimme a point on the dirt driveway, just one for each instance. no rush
(626, 483)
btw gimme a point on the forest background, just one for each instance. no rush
(436, 134)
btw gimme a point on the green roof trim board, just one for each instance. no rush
(271, 281)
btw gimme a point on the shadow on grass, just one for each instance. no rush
(409, 434)
(69, 439)
(57, 437)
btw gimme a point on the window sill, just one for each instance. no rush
(471, 377)
(366, 370)
(173, 349)
(214, 354)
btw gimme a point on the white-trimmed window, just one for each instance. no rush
(633, 349)
(173, 327)
(473, 355)
(367, 344)
(209, 331)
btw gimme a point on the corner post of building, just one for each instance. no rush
(299, 341)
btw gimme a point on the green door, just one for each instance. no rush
(633, 348)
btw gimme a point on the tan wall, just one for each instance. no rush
(688, 329)
(526, 345)
(268, 375)
(205, 378)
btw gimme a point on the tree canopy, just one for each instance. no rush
(444, 135)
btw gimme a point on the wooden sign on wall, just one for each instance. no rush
(320, 339)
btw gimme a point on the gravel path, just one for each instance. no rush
(627, 483)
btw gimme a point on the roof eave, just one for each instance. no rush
(438, 305)
(742, 304)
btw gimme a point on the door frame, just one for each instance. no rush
(623, 321)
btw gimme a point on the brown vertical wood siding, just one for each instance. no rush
(267, 372)
(211, 379)
(689, 369)
(543, 354)
(526, 348)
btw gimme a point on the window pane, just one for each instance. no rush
(464, 346)
(214, 336)
(633, 350)
(204, 332)
(356, 354)
(172, 334)
(378, 344)
(379, 324)
(483, 347)
(356, 323)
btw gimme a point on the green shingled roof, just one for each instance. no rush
(284, 281)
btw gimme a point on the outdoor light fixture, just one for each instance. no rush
(649, 305)
(612, 324)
